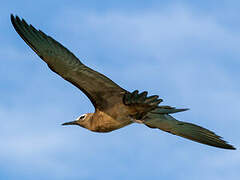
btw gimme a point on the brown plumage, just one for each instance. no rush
(115, 107)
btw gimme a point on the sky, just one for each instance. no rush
(186, 52)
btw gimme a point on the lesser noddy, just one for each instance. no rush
(115, 107)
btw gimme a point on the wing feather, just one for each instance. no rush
(187, 130)
(102, 91)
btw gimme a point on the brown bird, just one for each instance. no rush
(115, 107)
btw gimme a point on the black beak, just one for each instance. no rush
(70, 123)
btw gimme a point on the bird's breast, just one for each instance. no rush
(103, 122)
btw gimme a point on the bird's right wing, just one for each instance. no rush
(102, 91)
(190, 131)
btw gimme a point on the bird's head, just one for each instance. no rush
(83, 121)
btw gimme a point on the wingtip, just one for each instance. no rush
(12, 17)
(230, 147)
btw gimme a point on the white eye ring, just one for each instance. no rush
(82, 117)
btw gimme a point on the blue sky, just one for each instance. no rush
(188, 53)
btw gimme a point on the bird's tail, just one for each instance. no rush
(167, 110)
(190, 131)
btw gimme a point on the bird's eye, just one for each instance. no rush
(82, 117)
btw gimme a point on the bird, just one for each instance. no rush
(115, 107)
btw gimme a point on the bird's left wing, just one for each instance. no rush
(102, 91)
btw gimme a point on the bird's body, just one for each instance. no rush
(102, 122)
(115, 107)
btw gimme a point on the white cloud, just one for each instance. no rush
(167, 33)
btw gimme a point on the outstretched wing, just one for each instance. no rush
(190, 131)
(102, 91)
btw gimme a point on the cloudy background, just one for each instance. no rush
(188, 53)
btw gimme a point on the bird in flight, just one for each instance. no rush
(115, 107)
